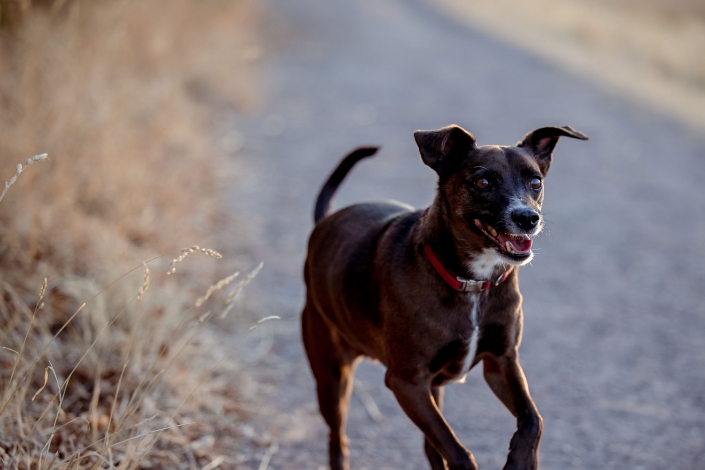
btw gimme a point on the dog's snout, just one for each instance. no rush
(526, 219)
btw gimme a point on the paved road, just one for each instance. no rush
(614, 302)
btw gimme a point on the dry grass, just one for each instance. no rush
(649, 50)
(120, 94)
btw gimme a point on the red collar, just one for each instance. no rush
(458, 283)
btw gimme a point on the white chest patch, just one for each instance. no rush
(474, 337)
(483, 265)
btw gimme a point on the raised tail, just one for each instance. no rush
(334, 180)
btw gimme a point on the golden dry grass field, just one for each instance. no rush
(121, 95)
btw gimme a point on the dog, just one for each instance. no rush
(430, 293)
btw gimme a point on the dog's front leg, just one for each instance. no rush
(434, 458)
(416, 400)
(506, 379)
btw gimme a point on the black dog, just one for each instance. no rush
(430, 293)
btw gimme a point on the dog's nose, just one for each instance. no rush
(526, 219)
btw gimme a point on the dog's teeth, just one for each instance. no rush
(492, 231)
(508, 246)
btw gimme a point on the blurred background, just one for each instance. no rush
(215, 122)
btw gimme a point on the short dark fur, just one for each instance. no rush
(372, 292)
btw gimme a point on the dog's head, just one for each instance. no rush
(494, 193)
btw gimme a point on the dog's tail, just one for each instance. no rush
(334, 180)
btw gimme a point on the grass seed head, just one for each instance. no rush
(19, 169)
(216, 287)
(145, 283)
(240, 285)
(43, 290)
(186, 251)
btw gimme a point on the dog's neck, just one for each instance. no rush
(460, 252)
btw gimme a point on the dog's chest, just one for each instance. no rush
(474, 317)
(455, 359)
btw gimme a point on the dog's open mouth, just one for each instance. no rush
(516, 246)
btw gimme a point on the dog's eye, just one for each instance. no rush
(535, 183)
(482, 183)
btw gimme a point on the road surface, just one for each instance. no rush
(614, 302)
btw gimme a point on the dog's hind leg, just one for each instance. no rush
(332, 362)
(435, 459)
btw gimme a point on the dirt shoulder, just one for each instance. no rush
(648, 51)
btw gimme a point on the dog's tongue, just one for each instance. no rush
(519, 244)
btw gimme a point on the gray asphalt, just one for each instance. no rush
(613, 303)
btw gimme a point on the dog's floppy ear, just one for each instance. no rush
(541, 143)
(442, 148)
